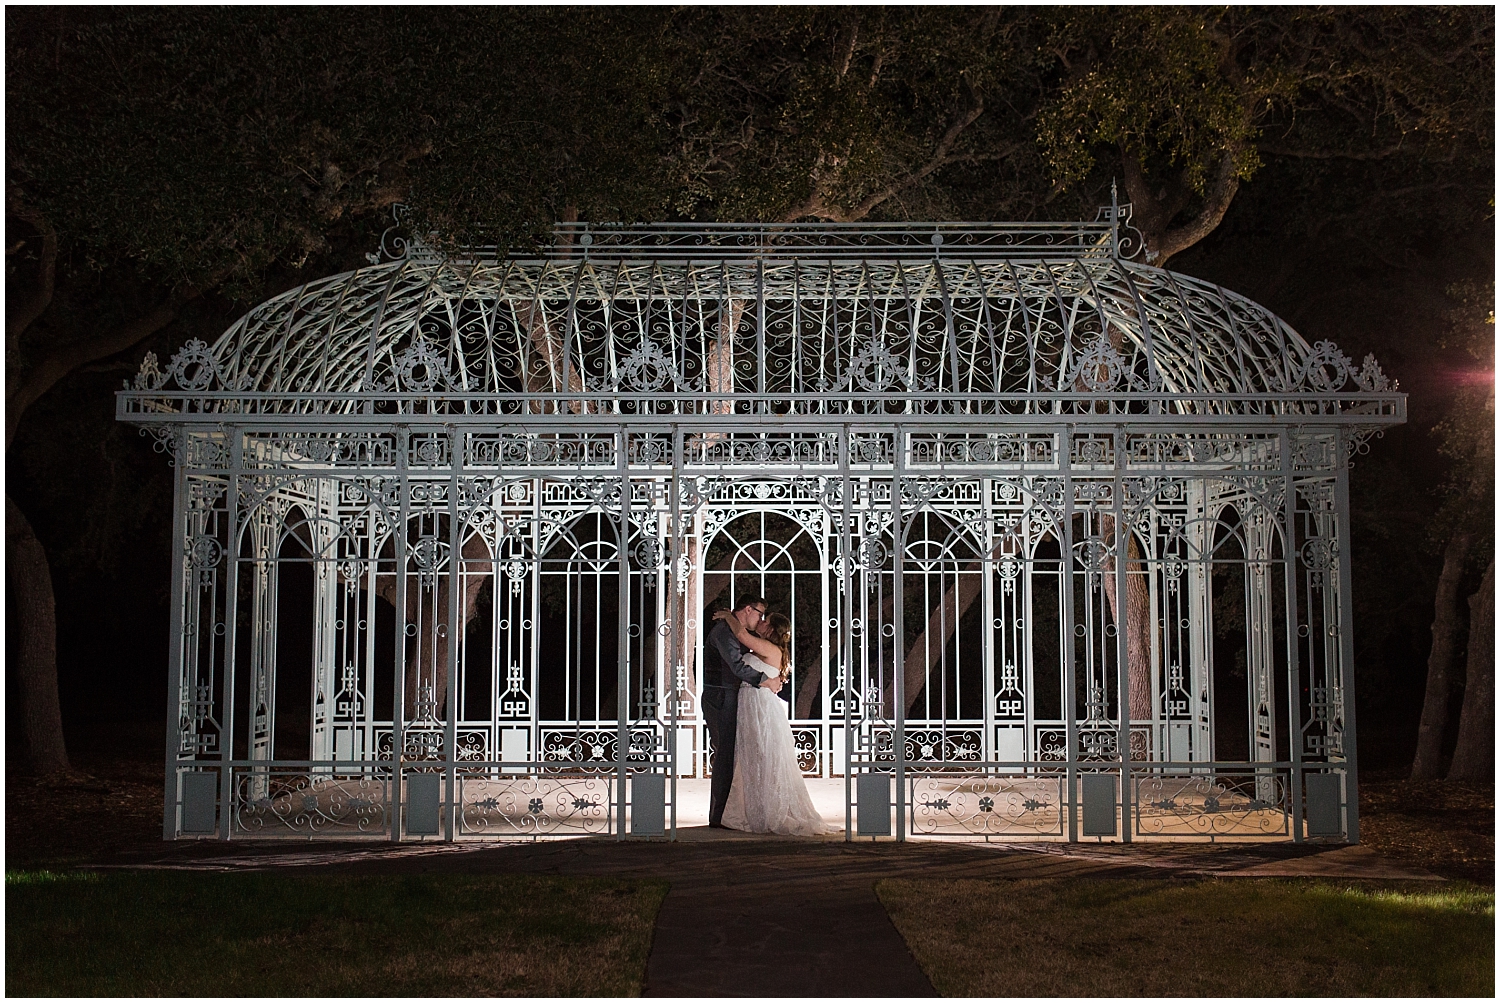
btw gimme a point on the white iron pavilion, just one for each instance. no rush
(1064, 537)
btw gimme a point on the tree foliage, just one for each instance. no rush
(840, 114)
(1190, 101)
(158, 156)
(201, 140)
(203, 144)
(1466, 433)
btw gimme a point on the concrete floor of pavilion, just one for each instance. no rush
(949, 808)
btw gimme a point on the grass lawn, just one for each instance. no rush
(179, 933)
(1231, 937)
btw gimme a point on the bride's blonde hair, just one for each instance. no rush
(781, 636)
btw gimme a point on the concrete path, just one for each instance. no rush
(756, 922)
(750, 916)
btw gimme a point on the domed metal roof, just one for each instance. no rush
(928, 319)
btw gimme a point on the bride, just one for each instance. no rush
(768, 794)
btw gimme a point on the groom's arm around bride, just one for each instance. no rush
(723, 669)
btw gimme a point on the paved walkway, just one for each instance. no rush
(752, 919)
(749, 916)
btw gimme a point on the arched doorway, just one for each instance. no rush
(781, 559)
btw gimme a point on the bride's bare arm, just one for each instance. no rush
(764, 649)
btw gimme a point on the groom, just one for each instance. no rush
(723, 668)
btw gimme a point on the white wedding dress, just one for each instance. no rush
(768, 794)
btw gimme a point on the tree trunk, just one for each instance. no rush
(943, 623)
(545, 361)
(1474, 759)
(1136, 622)
(1427, 763)
(1154, 217)
(431, 649)
(719, 373)
(719, 365)
(927, 650)
(31, 584)
(807, 693)
(30, 576)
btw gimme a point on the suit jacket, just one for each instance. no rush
(724, 660)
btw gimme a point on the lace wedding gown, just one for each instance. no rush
(768, 794)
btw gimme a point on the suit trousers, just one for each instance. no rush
(721, 714)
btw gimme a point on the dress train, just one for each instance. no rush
(768, 794)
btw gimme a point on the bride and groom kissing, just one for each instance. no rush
(757, 784)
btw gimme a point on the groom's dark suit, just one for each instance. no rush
(723, 668)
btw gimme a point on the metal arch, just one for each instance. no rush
(374, 336)
(1154, 377)
(774, 548)
(956, 533)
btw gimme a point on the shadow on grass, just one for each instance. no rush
(1446, 826)
(172, 933)
(1239, 937)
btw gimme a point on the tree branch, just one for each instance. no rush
(1278, 150)
(848, 55)
(36, 304)
(1148, 214)
(43, 375)
(817, 206)
(1151, 215)
(938, 159)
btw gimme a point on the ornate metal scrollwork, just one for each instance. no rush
(1371, 379)
(647, 370)
(872, 554)
(1101, 368)
(1318, 554)
(985, 805)
(533, 805)
(874, 369)
(1223, 805)
(269, 803)
(1094, 553)
(421, 369)
(194, 368)
(648, 554)
(204, 552)
(1327, 369)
